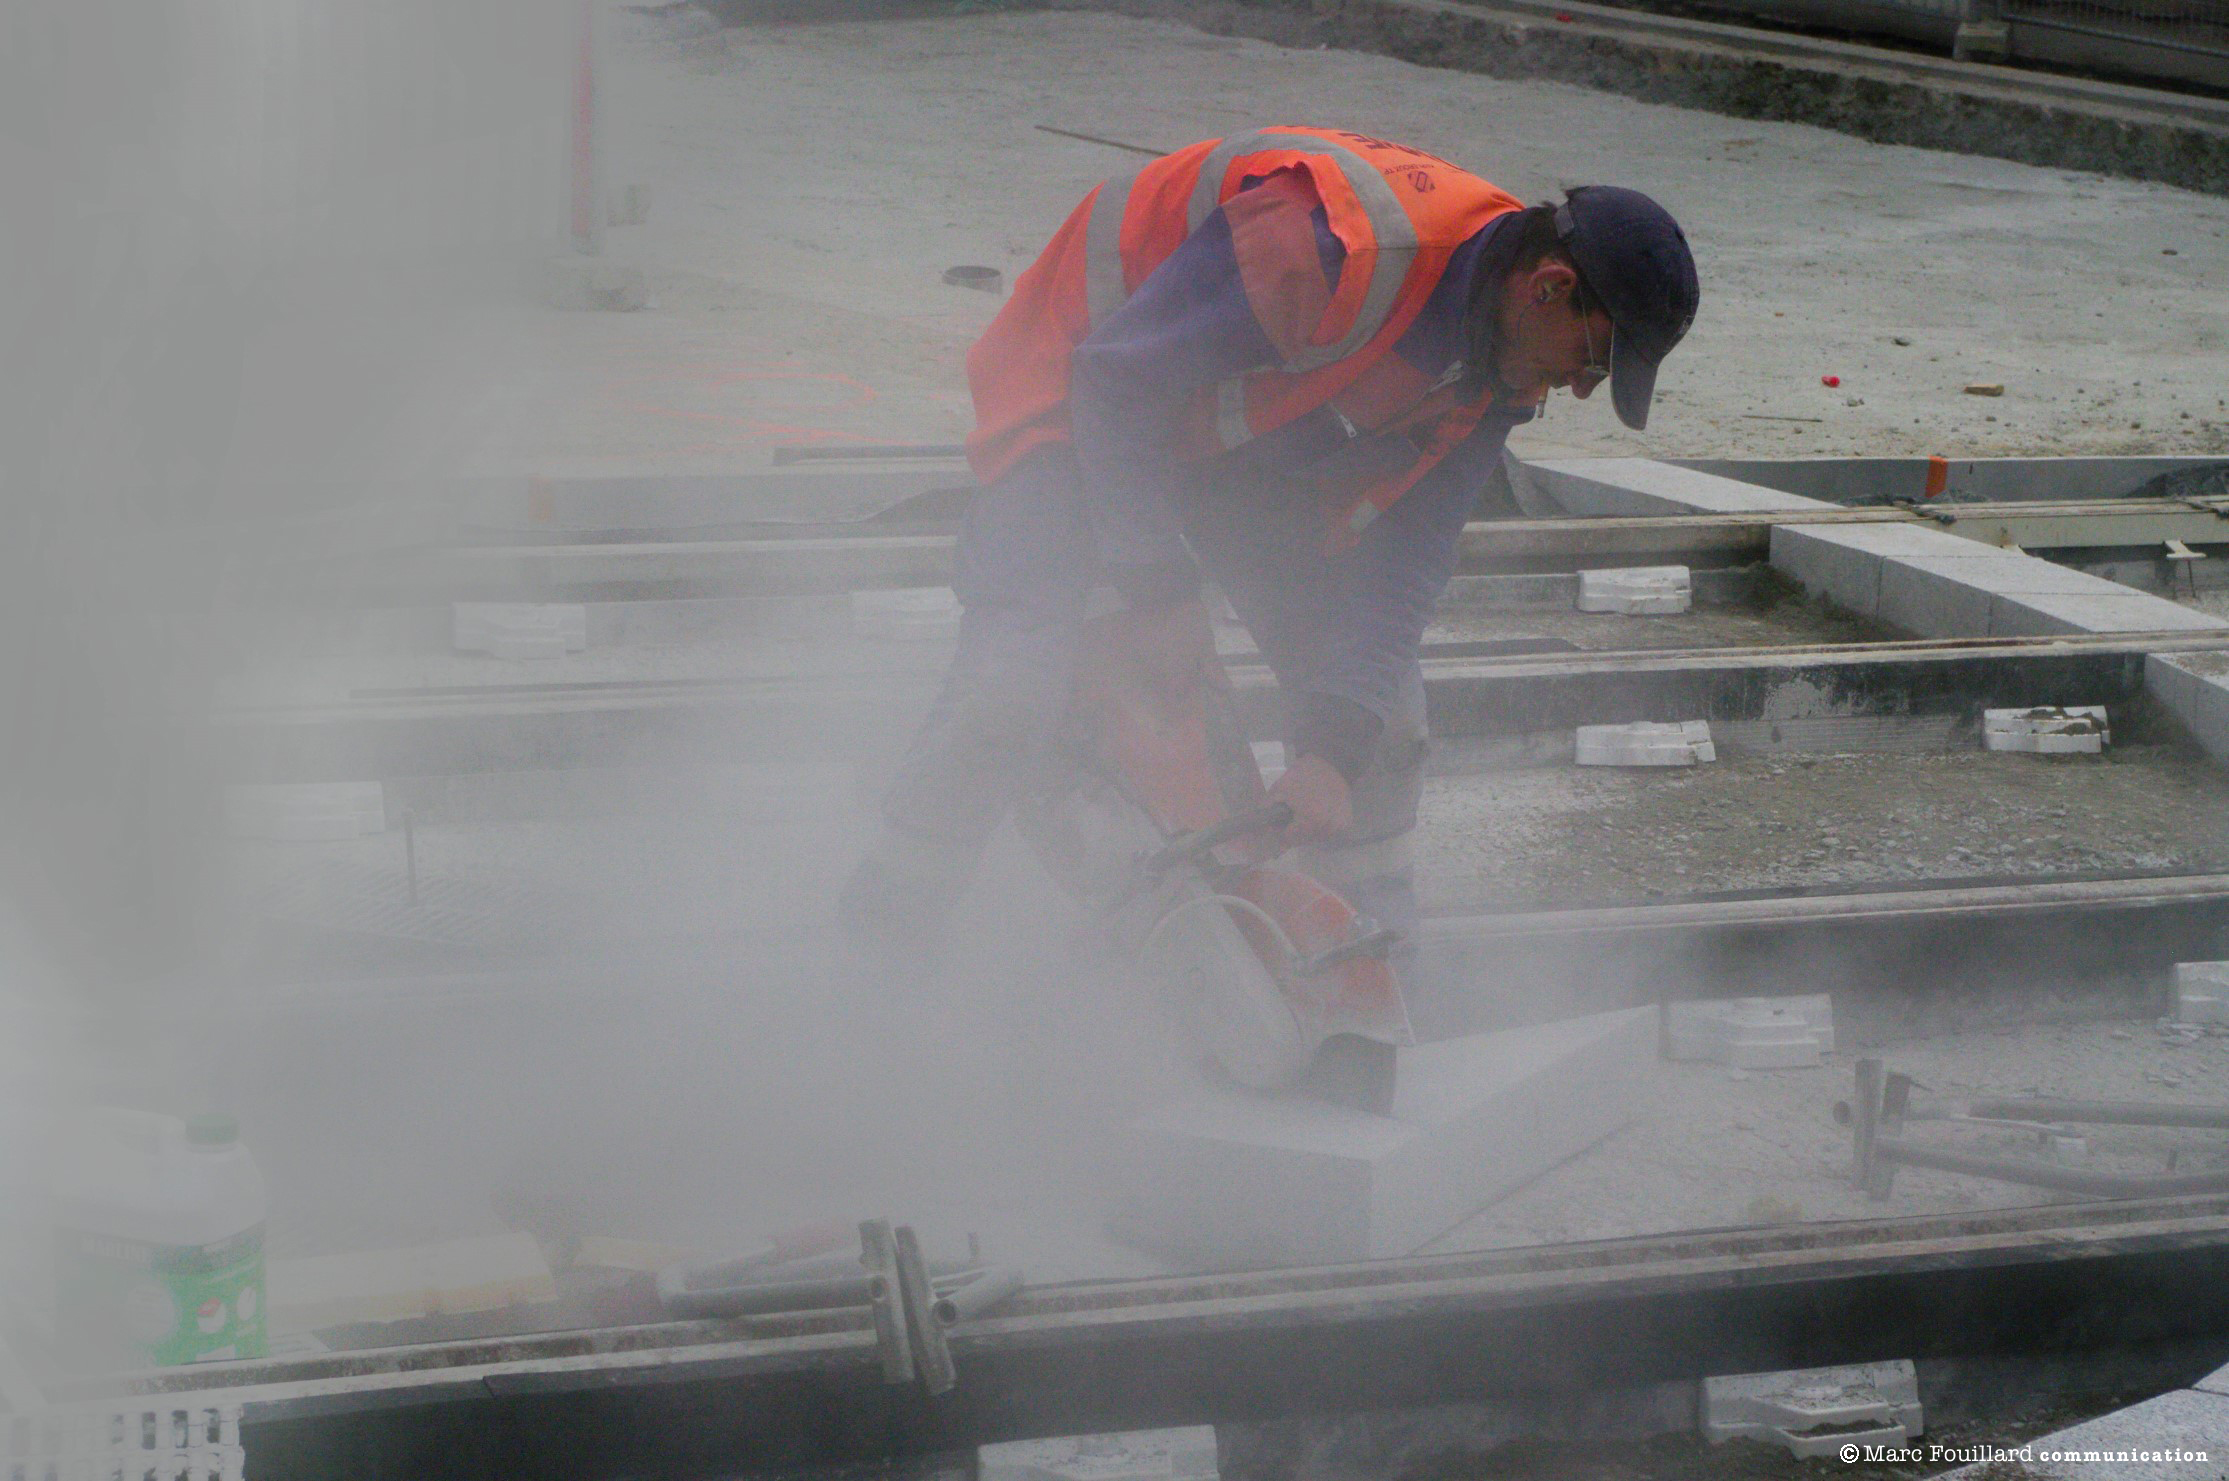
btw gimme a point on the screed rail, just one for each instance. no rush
(415, 732)
(806, 558)
(766, 1394)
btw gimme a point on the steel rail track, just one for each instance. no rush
(506, 727)
(810, 558)
(716, 1399)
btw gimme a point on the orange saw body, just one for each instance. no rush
(1163, 824)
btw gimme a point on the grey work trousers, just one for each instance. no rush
(1025, 570)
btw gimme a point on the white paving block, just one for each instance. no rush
(1814, 1412)
(519, 629)
(2202, 992)
(1228, 1180)
(306, 812)
(912, 613)
(1646, 743)
(2048, 729)
(1752, 1033)
(1639, 591)
(177, 1437)
(1135, 1455)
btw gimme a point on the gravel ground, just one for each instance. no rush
(1713, 1147)
(799, 296)
(1599, 836)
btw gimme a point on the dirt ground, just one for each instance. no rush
(812, 182)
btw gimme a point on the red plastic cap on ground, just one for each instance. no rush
(1830, 380)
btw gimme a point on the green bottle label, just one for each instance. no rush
(128, 1303)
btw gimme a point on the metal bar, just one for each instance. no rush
(2023, 16)
(990, 1286)
(773, 562)
(1867, 1103)
(1964, 902)
(2101, 1112)
(1120, 1355)
(757, 1297)
(1046, 128)
(293, 1375)
(893, 1337)
(932, 1354)
(1943, 954)
(441, 732)
(2051, 1175)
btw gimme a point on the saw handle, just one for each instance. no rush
(1202, 841)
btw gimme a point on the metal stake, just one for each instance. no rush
(878, 1251)
(932, 1357)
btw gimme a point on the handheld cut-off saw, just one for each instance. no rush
(1158, 820)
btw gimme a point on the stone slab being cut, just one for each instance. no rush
(1646, 743)
(1228, 1180)
(1752, 1033)
(1639, 591)
(2052, 730)
(2179, 1436)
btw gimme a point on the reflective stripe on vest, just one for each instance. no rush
(1106, 282)
(1105, 286)
(1394, 233)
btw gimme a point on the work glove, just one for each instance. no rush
(1318, 795)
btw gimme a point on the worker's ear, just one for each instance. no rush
(1551, 280)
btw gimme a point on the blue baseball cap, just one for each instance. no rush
(1634, 258)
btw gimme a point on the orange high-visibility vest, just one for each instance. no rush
(1399, 212)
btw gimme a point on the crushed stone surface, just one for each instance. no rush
(1561, 835)
(1712, 1147)
(799, 292)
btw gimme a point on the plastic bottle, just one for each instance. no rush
(158, 1242)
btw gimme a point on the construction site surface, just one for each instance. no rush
(520, 823)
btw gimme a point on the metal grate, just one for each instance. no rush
(2185, 25)
(182, 1438)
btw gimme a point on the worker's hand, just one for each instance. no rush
(1318, 796)
(1171, 649)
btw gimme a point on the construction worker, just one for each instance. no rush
(1289, 359)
